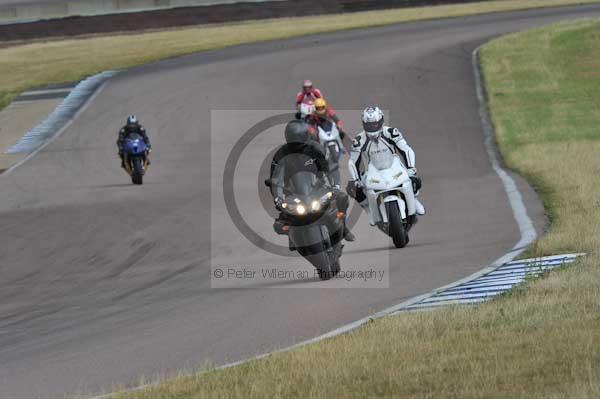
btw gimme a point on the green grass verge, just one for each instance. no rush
(546, 109)
(539, 341)
(42, 63)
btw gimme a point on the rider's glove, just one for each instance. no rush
(278, 201)
(417, 183)
(353, 188)
(412, 171)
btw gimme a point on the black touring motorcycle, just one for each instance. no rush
(313, 222)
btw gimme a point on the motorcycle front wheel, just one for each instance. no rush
(137, 171)
(397, 229)
(316, 247)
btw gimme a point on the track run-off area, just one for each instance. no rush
(103, 282)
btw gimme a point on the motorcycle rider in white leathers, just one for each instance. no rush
(377, 139)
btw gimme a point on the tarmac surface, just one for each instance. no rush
(103, 281)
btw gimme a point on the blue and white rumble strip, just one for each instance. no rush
(65, 111)
(493, 283)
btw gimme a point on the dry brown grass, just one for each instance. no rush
(38, 64)
(538, 343)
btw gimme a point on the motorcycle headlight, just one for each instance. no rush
(315, 206)
(300, 209)
(294, 206)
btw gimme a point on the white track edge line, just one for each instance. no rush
(83, 108)
(526, 230)
(61, 114)
(46, 91)
(526, 227)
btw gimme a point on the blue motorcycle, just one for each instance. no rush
(135, 157)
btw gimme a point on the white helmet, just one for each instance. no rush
(132, 120)
(372, 120)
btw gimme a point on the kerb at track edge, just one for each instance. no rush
(84, 107)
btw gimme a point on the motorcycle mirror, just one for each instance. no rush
(268, 182)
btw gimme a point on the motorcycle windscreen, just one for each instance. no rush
(134, 144)
(326, 125)
(304, 183)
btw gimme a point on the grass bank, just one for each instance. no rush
(546, 108)
(38, 64)
(539, 341)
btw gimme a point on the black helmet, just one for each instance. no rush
(296, 132)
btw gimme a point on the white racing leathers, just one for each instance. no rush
(365, 150)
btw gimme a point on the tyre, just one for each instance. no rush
(333, 154)
(334, 258)
(137, 172)
(332, 157)
(316, 248)
(396, 226)
(322, 262)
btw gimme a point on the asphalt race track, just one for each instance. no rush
(103, 281)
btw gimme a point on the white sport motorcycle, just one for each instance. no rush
(330, 140)
(305, 109)
(329, 137)
(390, 198)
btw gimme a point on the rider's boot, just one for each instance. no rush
(417, 183)
(279, 227)
(419, 207)
(120, 153)
(348, 236)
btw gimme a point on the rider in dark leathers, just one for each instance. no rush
(297, 155)
(132, 126)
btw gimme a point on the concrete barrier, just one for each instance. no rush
(36, 11)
